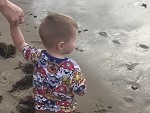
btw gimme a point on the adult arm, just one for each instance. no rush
(3, 2)
(11, 12)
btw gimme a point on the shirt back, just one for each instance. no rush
(55, 81)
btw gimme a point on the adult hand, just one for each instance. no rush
(12, 13)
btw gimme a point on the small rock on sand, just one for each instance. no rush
(144, 5)
(135, 86)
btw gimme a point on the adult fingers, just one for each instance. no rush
(17, 21)
(21, 20)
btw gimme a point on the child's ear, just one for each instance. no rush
(60, 45)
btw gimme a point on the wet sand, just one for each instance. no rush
(113, 50)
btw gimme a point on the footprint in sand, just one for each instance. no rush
(130, 65)
(146, 105)
(103, 34)
(136, 83)
(116, 42)
(128, 101)
(142, 48)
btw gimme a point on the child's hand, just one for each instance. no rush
(82, 93)
(81, 88)
(84, 90)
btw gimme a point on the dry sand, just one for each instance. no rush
(113, 50)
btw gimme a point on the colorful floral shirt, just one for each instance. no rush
(55, 81)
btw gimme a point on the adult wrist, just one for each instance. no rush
(3, 2)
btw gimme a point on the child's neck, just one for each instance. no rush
(55, 53)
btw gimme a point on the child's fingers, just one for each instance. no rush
(17, 22)
(14, 23)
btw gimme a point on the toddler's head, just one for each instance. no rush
(59, 32)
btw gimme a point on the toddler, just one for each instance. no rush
(56, 78)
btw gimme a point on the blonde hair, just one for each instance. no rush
(55, 27)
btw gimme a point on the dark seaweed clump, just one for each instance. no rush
(27, 68)
(26, 105)
(1, 98)
(26, 81)
(7, 51)
(22, 84)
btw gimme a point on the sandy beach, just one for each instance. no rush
(113, 50)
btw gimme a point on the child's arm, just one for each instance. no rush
(78, 81)
(30, 53)
(80, 88)
(17, 37)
